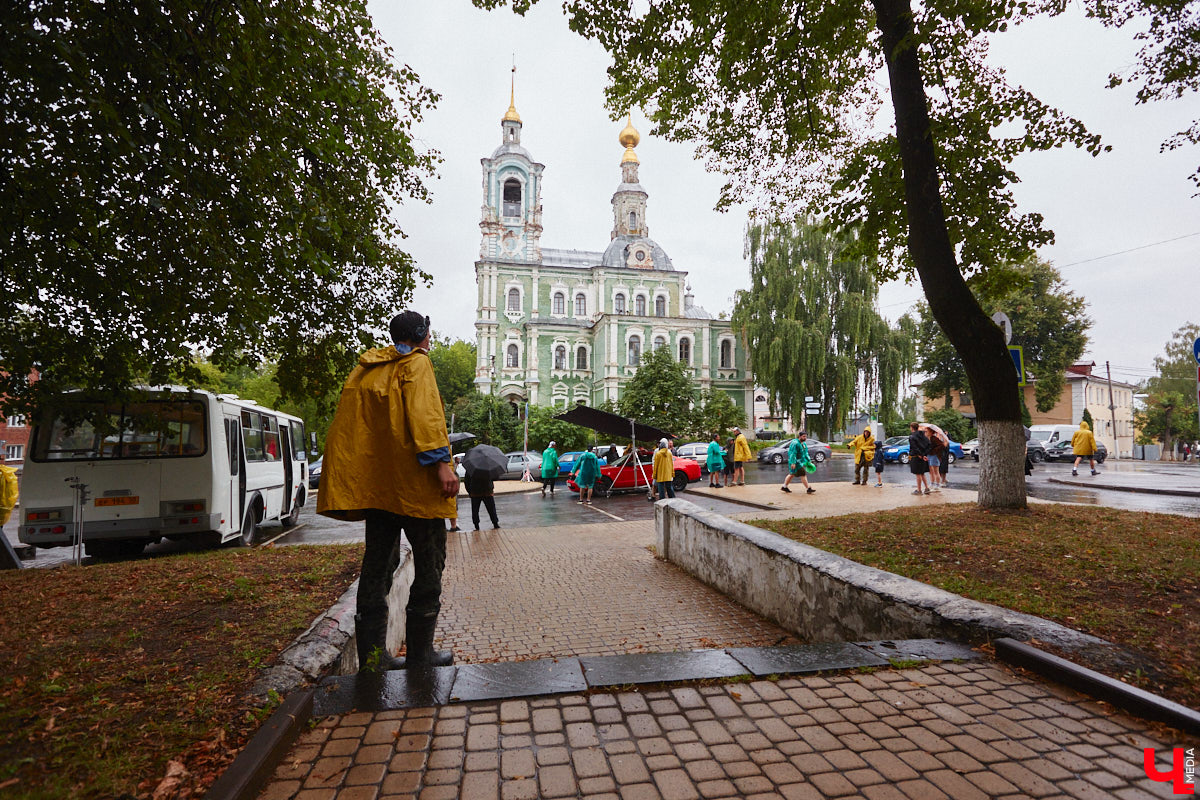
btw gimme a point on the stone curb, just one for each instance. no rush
(796, 586)
(1122, 695)
(1117, 488)
(254, 765)
(313, 653)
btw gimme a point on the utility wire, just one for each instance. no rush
(1130, 250)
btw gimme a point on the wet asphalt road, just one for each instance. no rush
(530, 509)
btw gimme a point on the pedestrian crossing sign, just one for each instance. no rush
(1018, 357)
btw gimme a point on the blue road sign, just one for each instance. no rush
(1196, 350)
(1018, 357)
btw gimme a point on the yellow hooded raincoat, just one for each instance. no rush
(390, 410)
(741, 448)
(1083, 442)
(864, 448)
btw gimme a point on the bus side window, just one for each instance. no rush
(298, 442)
(252, 435)
(270, 434)
(231, 444)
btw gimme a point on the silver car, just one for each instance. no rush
(518, 462)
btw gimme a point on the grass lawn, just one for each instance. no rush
(1132, 578)
(111, 670)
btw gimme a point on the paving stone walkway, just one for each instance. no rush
(956, 730)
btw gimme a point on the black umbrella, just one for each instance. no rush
(461, 436)
(486, 459)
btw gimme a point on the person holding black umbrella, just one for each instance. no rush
(387, 462)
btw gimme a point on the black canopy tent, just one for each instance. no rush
(617, 426)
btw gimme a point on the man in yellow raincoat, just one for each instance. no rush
(664, 471)
(387, 461)
(864, 454)
(1083, 445)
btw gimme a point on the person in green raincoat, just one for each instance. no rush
(549, 468)
(587, 471)
(798, 463)
(714, 462)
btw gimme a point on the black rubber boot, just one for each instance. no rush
(419, 633)
(370, 635)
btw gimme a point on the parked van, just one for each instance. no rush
(1049, 434)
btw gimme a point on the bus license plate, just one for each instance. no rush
(117, 501)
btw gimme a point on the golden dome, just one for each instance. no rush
(629, 136)
(511, 115)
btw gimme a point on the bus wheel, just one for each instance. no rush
(293, 517)
(249, 527)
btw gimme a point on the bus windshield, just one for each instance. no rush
(135, 430)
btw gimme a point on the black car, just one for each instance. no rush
(1061, 451)
(314, 473)
(1033, 448)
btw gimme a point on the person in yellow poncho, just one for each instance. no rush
(864, 453)
(741, 454)
(1083, 443)
(664, 471)
(387, 461)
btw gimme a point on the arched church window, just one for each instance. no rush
(634, 357)
(580, 305)
(685, 351)
(560, 357)
(559, 305)
(632, 221)
(581, 359)
(512, 198)
(514, 299)
(639, 305)
(726, 354)
(619, 303)
(660, 306)
(512, 357)
(659, 341)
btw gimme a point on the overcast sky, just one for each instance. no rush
(1098, 207)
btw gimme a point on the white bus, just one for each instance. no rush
(170, 462)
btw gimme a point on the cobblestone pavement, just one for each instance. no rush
(959, 731)
(970, 730)
(581, 590)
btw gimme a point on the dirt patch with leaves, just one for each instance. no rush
(119, 675)
(1130, 577)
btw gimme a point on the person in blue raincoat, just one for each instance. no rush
(798, 463)
(714, 462)
(587, 470)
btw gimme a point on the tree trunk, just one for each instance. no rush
(979, 341)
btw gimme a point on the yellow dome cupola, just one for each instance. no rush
(629, 138)
(511, 115)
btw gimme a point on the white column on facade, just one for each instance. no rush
(534, 286)
(706, 364)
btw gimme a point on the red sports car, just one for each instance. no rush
(624, 474)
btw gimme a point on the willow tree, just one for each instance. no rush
(810, 324)
(195, 174)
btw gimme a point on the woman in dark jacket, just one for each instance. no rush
(918, 457)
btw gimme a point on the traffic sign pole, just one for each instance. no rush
(1196, 354)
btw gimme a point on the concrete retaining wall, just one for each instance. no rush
(823, 597)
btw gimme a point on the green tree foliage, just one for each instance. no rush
(200, 175)
(454, 367)
(956, 426)
(715, 413)
(260, 385)
(1170, 411)
(1049, 322)
(660, 393)
(810, 324)
(1087, 417)
(544, 428)
(492, 420)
